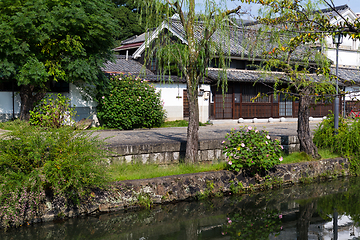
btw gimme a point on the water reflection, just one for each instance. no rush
(303, 212)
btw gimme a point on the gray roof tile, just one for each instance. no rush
(121, 65)
(348, 75)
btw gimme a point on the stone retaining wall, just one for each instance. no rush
(174, 152)
(131, 194)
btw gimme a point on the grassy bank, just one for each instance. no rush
(118, 172)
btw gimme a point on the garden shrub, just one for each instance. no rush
(59, 162)
(53, 112)
(345, 143)
(129, 103)
(324, 136)
(251, 149)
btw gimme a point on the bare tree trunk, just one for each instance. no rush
(28, 100)
(306, 143)
(192, 144)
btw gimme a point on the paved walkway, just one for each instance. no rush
(216, 131)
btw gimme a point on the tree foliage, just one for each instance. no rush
(52, 40)
(293, 28)
(126, 12)
(204, 36)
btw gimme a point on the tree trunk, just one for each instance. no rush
(306, 143)
(28, 99)
(192, 144)
(303, 222)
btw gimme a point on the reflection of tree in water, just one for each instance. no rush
(344, 203)
(305, 214)
(253, 224)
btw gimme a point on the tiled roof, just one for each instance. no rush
(241, 42)
(135, 39)
(348, 75)
(121, 65)
(237, 75)
(330, 13)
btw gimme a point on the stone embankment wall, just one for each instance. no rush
(134, 193)
(174, 152)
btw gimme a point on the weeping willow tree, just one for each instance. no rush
(289, 37)
(196, 39)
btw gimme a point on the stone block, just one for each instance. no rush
(203, 145)
(170, 147)
(204, 155)
(176, 156)
(157, 148)
(158, 158)
(211, 154)
(218, 154)
(128, 158)
(145, 158)
(168, 157)
(287, 140)
(144, 148)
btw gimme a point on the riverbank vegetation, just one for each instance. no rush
(37, 162)
(345, 142)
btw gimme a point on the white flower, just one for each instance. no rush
(268, 137)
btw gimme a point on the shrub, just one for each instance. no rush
(324, 136)
(61, 162)
(53, 112)
(251, 149)
(345, 143)
(130, 103)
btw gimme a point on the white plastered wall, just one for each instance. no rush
(172, 97)
(6, 105)
(85, 108)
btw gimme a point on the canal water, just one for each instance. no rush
(328, 210)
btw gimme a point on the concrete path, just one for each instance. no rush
(216, 131)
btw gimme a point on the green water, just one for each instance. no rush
(318, 211)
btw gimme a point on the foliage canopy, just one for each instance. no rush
(45, 40)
